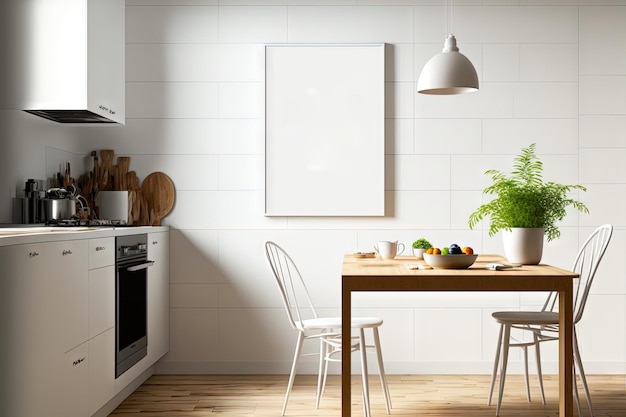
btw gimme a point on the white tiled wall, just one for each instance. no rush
(551, 72)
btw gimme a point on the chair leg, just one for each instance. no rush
(381, 370)
(495, 365)
(525, 349)
(321, 373)
(327, 353)
(583, 378)
(575, 393)
(364, 373)
(294, 366)
(539, 373)
(505, 359)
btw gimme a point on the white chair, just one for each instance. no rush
(305, 320)
(544, 325)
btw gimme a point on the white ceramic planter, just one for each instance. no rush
(419, 253)
(523, 245)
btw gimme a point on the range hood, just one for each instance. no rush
(76, 60)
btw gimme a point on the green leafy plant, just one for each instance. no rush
(421, 243)
(523, 199)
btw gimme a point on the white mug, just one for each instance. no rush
(388, 249)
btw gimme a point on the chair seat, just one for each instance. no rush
(526, 317)
(335, 323)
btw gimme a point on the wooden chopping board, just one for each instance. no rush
(158, 189)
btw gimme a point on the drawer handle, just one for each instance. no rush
(67, 252)
(33, 254)
(155, 242)
(99, 248)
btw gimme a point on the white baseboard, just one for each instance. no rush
(391, 368)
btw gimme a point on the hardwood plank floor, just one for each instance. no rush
(428, 395)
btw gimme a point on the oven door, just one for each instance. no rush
(131, 339)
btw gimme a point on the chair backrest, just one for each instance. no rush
(586, 264)
(295, 295)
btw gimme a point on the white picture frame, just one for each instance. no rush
(325, 130)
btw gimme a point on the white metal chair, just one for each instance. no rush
(304, 319)
(544, 324)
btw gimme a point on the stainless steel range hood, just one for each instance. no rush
(76, 60)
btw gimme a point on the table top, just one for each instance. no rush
(362, 274)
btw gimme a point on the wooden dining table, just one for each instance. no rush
(399, 274)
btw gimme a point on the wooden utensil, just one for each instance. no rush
(144, 212)
(134, 197)
(123, 162)
(96, 170)
(105, 169)
(158, 189)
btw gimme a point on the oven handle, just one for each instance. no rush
(140, 266)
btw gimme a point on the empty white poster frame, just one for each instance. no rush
(325, 130)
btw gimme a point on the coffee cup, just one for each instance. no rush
(389, 249)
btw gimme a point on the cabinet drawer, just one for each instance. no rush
(101, 252)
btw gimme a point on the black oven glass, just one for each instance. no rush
(132, 307)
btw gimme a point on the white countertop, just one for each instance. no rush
(21, 235)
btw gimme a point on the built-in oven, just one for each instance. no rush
(131, 301)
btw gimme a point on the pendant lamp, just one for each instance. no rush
(449, 72)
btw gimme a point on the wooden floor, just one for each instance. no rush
(428, 395)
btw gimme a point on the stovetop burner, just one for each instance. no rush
(87, 223)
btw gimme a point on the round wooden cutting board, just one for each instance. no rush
(158, 189)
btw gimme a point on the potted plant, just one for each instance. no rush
(525, 207)
(420, 246)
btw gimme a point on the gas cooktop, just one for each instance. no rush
(88, 223)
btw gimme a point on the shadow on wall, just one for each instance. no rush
(218, 317)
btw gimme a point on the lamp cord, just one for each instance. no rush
(449, 19)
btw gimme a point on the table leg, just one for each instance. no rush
(566, 358)
(346, 319)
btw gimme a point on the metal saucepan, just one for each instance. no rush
(59, 205)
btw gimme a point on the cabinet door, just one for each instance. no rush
(158, 296)
(69, 388)
(67, 293)
(101, 370)
(101, 300)
(43, 303)
(44, 287)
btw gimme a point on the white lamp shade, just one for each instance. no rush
(449, 72)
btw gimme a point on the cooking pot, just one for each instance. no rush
(59, 208)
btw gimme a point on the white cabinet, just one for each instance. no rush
(101, 300)
(102, 385)
(43, 290)
(101, 285)
(57, 303)
(158, 296)
(70, 386)
(101, 322)
(101, 252)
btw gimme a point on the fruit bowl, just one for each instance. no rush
(450, 261)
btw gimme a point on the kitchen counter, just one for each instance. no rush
(58, 287)
(20, 235)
